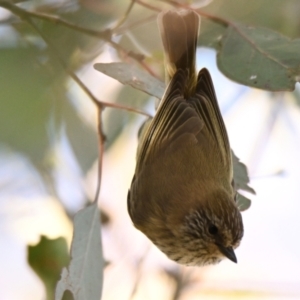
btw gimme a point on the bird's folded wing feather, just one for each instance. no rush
(177, 117)
(206, 104)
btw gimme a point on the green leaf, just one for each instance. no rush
(240, 174)
(47, 259)
(82, 137)
(243, 203)
(67, 295)
(84, 275)
(296, 96)
(260, 58)
(211, 34)
(131, 75)
(25, 101)
(241, 180)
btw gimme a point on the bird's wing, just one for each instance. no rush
(174, 118)
(181, 119)
(206, 105)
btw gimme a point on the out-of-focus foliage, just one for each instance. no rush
(241, 180)
(33, 89)
(47, 259)
(32, 80)
(36, 103)
(277, 15)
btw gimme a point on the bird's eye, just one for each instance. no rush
(213, 229)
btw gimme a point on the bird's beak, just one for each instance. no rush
(228, 252)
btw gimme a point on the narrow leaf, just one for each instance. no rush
(82, 137)
(84, 275)
(243, 203)
(47, 259)
(211, 34)
(240, 174)
(130, 74)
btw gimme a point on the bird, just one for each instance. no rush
(182, 194)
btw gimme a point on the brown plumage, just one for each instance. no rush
(182, 196)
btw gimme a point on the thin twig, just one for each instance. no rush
(176, 4)
(151, 7)
(124, 18)
(101, 140)
(62, 62)
(227, 23)
(131, 26)
(127, 108)
(96, 101)
(105, 35)
(216, 19)
(186, 6)
(100, 105)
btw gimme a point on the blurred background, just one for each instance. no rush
(48, 149)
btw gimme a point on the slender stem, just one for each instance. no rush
(216, 19)
(104, 35)
(151, 7)
(127, 108)
(123, 29)
(200, 12)
(100, 105)
(101, 140)
(124, 18)
(27, 16)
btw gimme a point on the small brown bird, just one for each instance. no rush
(182, 196)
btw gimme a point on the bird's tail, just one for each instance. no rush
(179, 32)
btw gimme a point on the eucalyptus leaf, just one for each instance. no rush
(211, 34)
(130, 74)
(67, 295)
(84, 275)
(260, 58)
(280, 16)
(81, 136)
(241, 180)
(243, 203)
(47, 259)
(240, 174)
(296, 96)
